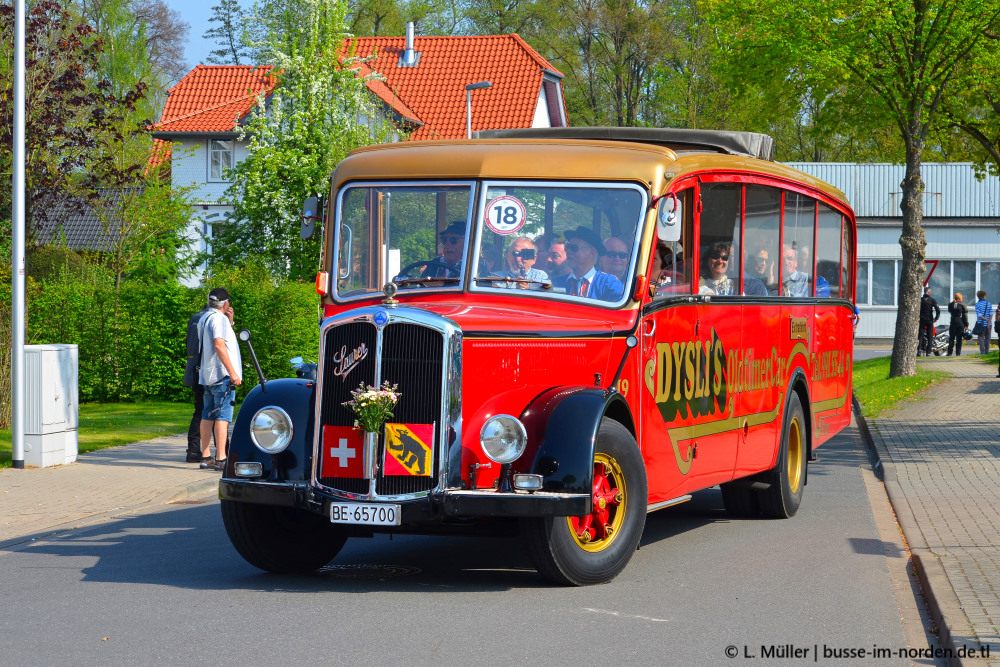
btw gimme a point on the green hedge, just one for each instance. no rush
(132, 346)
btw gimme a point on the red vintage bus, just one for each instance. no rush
(584, 325)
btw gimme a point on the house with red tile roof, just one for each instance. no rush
(421, 85)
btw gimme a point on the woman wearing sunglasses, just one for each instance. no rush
(714, 279)
(615, 260)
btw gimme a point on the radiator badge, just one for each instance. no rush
(381, 318)
(408, 449)
(346, 361)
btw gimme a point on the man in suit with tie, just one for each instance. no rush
(583, 248)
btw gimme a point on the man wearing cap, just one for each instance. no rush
(221, 371)
(452, 241)
(583, 248)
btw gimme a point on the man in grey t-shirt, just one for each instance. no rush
(221, 371)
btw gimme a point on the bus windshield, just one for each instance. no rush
(575, 241)
(414, 235)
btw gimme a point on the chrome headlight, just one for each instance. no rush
(271, 430)
(503, 438)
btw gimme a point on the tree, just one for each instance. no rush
(901, 58)
(74, 121)
(228, 34)
(318, 112)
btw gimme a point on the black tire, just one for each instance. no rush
(781, 500)
(740, 502)
(577, 551)
(283, 540)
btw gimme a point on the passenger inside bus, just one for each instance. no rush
(583, 248)
(521, 256)
(616, 256)
(793, 281)
(715, 278)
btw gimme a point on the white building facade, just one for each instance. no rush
(961, 225)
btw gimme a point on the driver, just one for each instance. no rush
(452, 243)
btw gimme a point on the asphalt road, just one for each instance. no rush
(166, 588)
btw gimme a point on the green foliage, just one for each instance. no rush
(877, 392)
(318, 113)
(46, 262)
(282, 316)
(228, 34)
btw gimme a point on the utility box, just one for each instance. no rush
(52, 412)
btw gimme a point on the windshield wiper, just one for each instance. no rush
(519, 281)
(424, 281)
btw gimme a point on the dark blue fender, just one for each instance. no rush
(297, 398)
(562, 426)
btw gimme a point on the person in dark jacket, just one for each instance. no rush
(959, 325)
(193, 343)
(929, 314)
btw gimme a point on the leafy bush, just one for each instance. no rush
(131, 341)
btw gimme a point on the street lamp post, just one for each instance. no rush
(468, 104)
(17, 242)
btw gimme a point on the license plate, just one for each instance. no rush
(365, 514)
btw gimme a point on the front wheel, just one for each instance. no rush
(594, 548)
(283, 540)
(781, 500)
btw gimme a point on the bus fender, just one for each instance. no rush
(297, 398)
(562, 425)
(798, 382)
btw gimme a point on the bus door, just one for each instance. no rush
(832, 326)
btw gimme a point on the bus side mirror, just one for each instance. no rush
(668, 218)
(310, 210)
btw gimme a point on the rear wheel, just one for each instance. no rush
(281, 539)
(781, 500)
(594, 548)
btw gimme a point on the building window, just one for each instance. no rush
(949, 277)
(220, 158)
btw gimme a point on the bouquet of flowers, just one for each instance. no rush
(373, 406)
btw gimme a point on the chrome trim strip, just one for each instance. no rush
(667, 503)
(450, 419)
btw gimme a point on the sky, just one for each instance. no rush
(196, 13)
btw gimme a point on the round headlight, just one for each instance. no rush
(271, 430)
(503, 438)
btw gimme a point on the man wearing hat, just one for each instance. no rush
(452, 241)
(221, 371)
(583, 248)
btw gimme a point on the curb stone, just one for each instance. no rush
(939, 594)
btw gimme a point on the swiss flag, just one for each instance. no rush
(343, 452)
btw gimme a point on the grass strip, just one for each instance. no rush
(877, 392)
(111, 424)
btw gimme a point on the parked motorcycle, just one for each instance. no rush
(939, 343)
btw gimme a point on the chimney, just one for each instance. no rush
(409, 57)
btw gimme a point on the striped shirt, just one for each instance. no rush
(984, 311)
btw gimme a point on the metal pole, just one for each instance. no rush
(468, 104)
(17, 255)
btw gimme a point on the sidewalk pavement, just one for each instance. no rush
(940, 462)
(109, 482)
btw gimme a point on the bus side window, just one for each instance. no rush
(762, 226)
(828, 249)
(670, 272)
(719, 254)
(797, 245)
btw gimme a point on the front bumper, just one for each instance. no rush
(436, 507)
